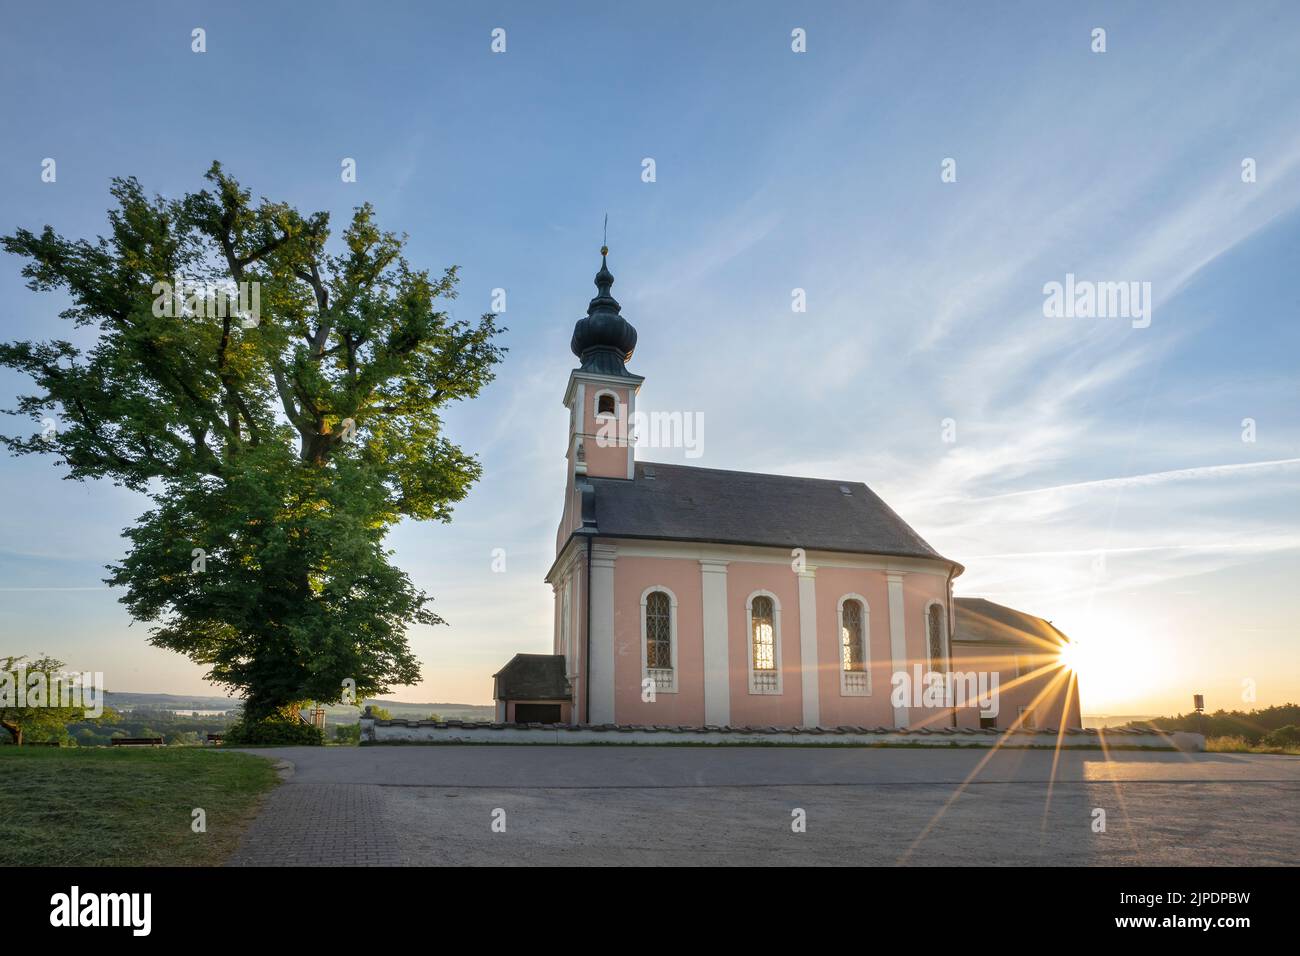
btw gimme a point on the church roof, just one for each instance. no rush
(980, 621)
(532, 677)
(684, 503)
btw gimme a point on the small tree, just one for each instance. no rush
(44, 722)
(1288, 736)
(347, 733)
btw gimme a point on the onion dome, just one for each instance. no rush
(604, 340)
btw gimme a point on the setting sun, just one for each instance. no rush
(1115, 662)
(1070, 656)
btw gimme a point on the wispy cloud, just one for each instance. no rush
(1151, 478)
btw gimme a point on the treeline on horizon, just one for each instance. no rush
(1250, 725)
(175, 729)
(189, 730)
(341, 724)
(132, 700)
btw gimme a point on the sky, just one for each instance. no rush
(1100, 475)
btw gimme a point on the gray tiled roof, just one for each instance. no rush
(683, 503)
(981, 621)
(532, 677)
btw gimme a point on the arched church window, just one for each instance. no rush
(606, 404)
(855, 669)
(658, 633)
(659, 639)
(936, 633)
(765, 672)
(852, 653)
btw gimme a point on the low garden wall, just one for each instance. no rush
(468, 732)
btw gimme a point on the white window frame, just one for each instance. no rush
(662, 685)
(947, 637)
(776, 640)
(596, 413)
(855, 687)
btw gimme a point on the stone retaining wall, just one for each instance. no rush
(468, 732)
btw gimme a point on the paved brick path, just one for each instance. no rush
(335, 824)
(623, 806)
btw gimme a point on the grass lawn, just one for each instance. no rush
(125, 807)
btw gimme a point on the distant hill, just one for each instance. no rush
(407, 710)
(123, 701)
(390, 704)
(1114, 720)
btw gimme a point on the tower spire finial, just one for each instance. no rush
(604, 339)
(604, 243)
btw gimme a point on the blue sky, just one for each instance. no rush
(775, 171)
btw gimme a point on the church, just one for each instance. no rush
(706, 598)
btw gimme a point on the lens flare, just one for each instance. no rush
(1070, 656)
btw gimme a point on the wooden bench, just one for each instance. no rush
(216, 739)
(136, 742)
(41, 743)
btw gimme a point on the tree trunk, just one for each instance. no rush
(15, 731)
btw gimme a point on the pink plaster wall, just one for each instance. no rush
(578, 637)
(682, 577)
(606, 458)
(919, 590)
(603, 460)
(633, 575)
(780, 710)
(836, 710)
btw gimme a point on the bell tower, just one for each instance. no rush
(601, 395)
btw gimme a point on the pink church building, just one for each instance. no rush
(701, 597)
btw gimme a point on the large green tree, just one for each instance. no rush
(278, 443)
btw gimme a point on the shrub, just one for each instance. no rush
(1228, 745)
(347, 733)
(1288, 736)
(278, 730)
